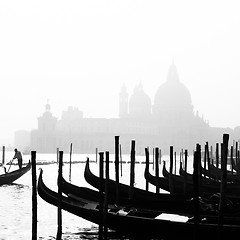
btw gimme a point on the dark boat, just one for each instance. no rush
(141, 224)
(10, 177)
(180, 199)
(187, 177)
(216, 173)
(162, 201)
(180, 185)
(139, 195)
(212, 172)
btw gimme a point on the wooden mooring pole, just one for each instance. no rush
(59, 232)
(196, 159)
(3, 155)
(117, 167)
(121, 161)
(175, 163)
(147, 166)
(171, 170)
(132, 170)
(153, 159)
(96, 154)
(185, 172)
(224, 156)
(70, 163)
(101, 196)
(207, 155)
(105, 203)
(236, 151)
(205, 160)
(217, 155)
(186, 159)
(160, 156)
(231, 157)
(34, 196)
(57, 155)
(157, 168)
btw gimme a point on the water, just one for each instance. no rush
(16, 199)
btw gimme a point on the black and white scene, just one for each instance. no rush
(119, 119)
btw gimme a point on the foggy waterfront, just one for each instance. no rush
(162, 72)
(16, 205)
(81, 53)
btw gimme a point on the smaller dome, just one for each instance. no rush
(139, 103)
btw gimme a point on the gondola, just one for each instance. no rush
(10, 177)
(179, 185)
(180, 199)
(189, 178)
(141, 224)
(212, 172)
(138, 194)
(162, 201)
(216, 173)
(163, 183)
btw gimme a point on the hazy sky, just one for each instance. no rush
(79, 53)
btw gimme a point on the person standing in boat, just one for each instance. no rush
(18, 156)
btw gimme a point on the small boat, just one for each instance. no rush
(188, 178)
(162, 201)
(179, 200)
(142, 224)
(139, 195)
(216, 173)
(10, 177)
(212, 172)
(180, 185)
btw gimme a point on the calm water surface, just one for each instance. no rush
(16, 199)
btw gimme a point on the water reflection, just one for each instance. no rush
(15, 210)
(16, 206)
(92, 234)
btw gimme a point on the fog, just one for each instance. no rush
(80, 53)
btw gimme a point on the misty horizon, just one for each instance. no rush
(81, 53)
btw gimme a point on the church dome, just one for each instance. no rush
(139, 103)
(172, 95)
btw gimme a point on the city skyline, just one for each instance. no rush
(81, 53)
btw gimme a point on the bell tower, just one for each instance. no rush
(47, 122)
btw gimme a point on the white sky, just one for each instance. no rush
(79, 53)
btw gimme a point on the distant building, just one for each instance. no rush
(169, 120)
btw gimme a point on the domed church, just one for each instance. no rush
(171, 114)
(172, 98)
(168, 121)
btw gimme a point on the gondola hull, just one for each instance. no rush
(137, 224)
(140, 197)
(180, 185)
(10, 177)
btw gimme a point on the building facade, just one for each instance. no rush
(168, 121)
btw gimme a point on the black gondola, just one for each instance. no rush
(143, 224)
(10, 177)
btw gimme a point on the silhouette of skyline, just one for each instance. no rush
(167, 121)
(81, 53)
